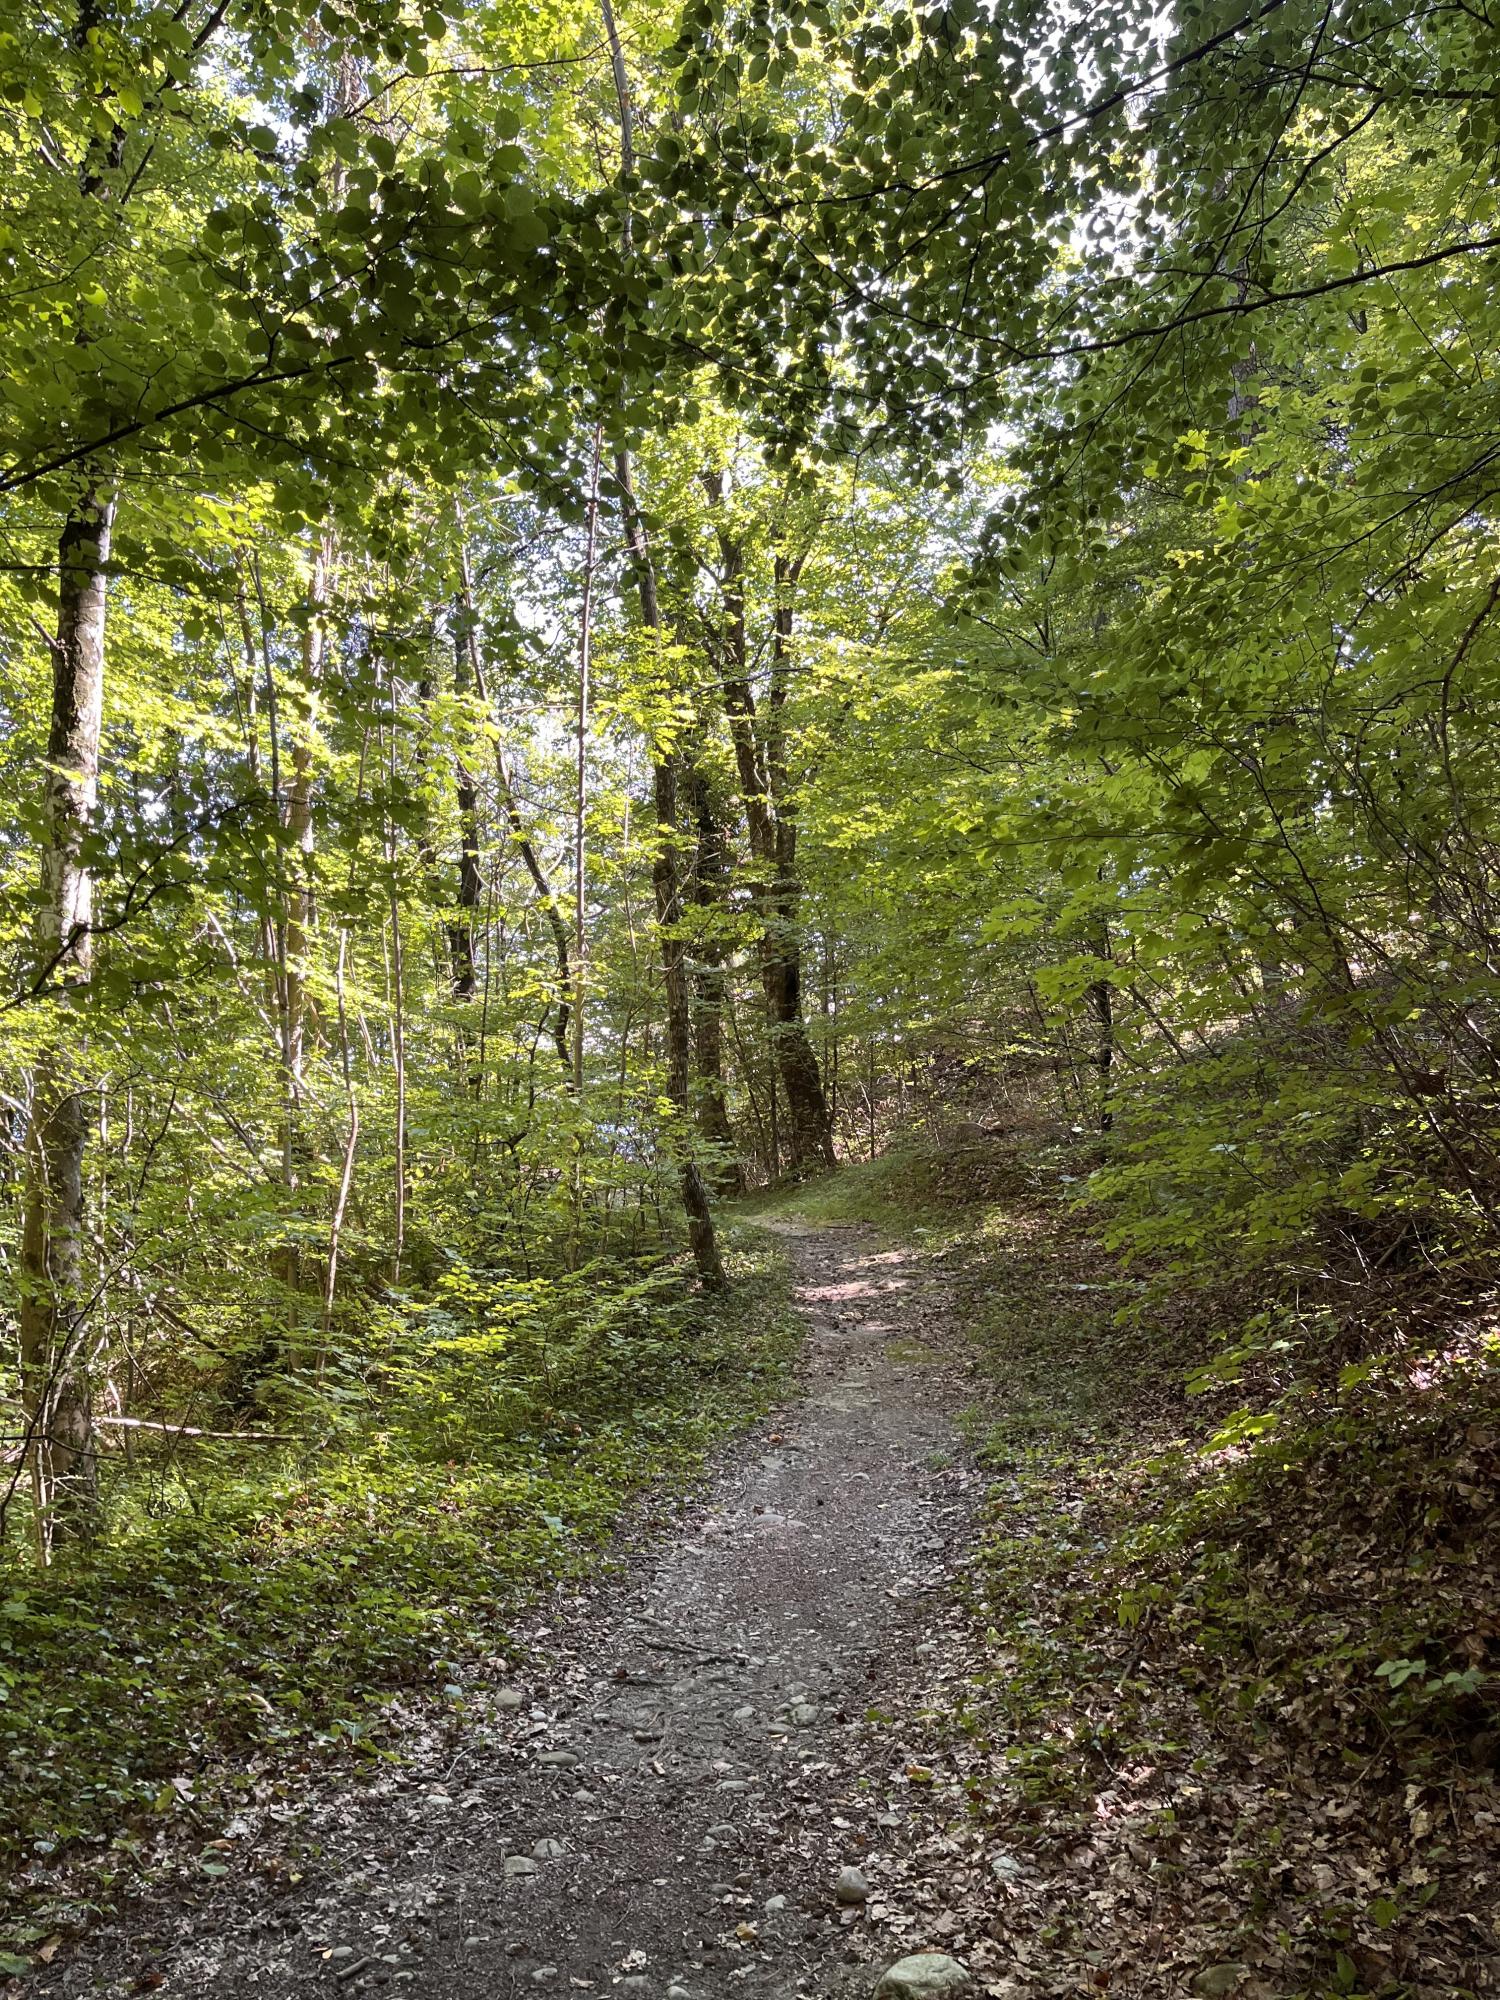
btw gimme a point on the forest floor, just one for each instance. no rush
(988, 1609)
(691, 1753)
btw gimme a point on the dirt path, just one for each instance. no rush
(662, 1802)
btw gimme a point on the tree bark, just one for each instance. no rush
(581, 967)
(298, 917)
(257, 656)
(54, 1305)
(666, 877)
(470, 880)
(666, 881)
(770, 815)
(525, 845)
(708, 890)
(395, 958)
(1102, 1006)
(812, 1128)
(301, 908)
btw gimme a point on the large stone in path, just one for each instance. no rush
(851, 1888)
(1216, 1980)
(924, 1976)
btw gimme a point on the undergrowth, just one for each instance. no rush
(1236, 1698)
(280, 1613)
(912, 1192)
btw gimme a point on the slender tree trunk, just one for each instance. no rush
(274, 932)
(770, 815)
(55, 1341)
(581, 768)
(254, 655)
(746, 1059)
(1102, 1006)
(351, 1144)
(396, 1000)
(829, 1008)
(525, 846)
(870, 1084)
(708, 887)
(302, 901)
(666, 879)
(666, 874)
(812, 1127)
(299, 915)
(809, 1135)
(470, 879)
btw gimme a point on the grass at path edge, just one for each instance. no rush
(150, 1684)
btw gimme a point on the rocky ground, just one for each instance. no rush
(695, 1784)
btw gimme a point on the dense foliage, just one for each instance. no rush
(596, 612)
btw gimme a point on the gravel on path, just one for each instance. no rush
(670, 1798)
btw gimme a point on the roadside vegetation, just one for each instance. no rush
(1230, 1702)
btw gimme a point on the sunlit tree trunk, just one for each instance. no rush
(351, 1145)
(812, 1132)
(581, 768)
(666, 879)
(666, 872)
(55, 1340)
(398, 1063)
(301, 908)
(295, 926)
(257, 658)
(709, 878)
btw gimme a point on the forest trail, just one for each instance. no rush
(666, 1795)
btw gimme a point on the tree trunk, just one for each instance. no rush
(299, 1024)
(256, 655)
(470, 880)
(525, 846)
(581, 968)
(54, 1305)
(770, 816)
(1102, 1006)
(666, 875)
(812, 1128)
(666, 880)
(708, 889)
(809, 1135)
(301, 912)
